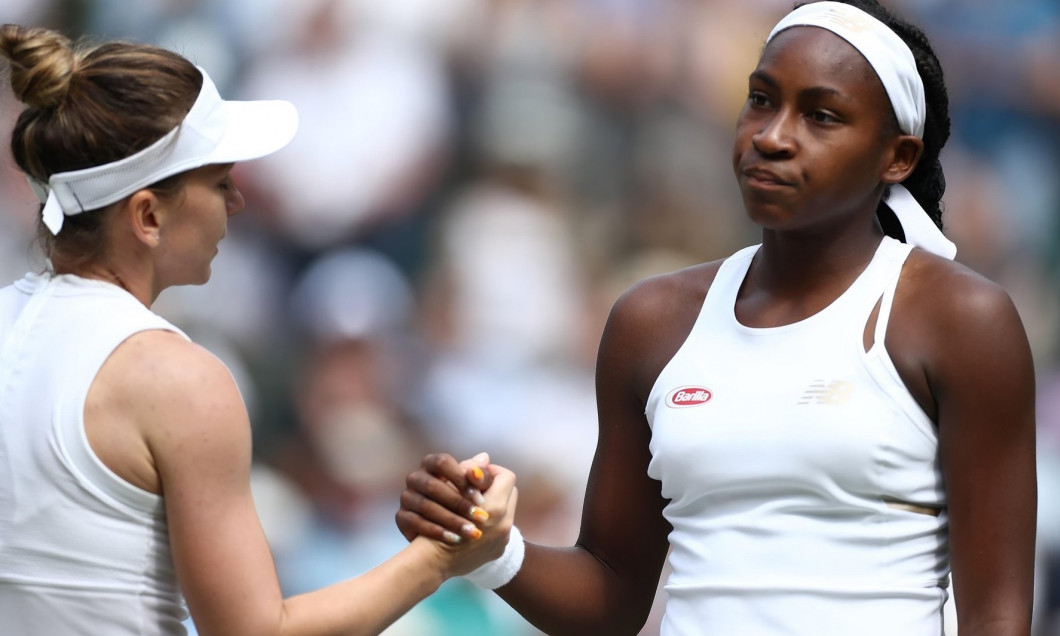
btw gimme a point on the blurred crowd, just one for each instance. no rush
(430, 263)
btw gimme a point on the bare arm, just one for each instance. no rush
(977, 365)
(198, 433)
(605, 584)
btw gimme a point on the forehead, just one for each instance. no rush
(816, 55)
(211, 171)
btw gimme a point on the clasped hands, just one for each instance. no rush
(467, 505)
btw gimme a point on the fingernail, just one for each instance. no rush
(473, 532)
(478, 473)
(451, 537)
(476, 496)
(479, 514)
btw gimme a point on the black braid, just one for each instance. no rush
(927, 183)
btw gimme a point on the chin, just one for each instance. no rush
(199, 278)
(767, 216)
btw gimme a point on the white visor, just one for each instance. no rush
(895, 65)
(214, 131)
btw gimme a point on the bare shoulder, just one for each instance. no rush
(162, 366)
(178, 392)
(957, 331)
(664, 296)
(953, 297)
(651, 320)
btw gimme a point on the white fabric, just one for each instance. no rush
(501, 571)
(895, 65)
(918, 227)
(81, 550)
(778, 450)
(214, 131)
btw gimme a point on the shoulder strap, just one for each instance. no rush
(887, 300)
(722, 293)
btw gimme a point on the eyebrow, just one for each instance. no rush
(813, 91)
(763, 77)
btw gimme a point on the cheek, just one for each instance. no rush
(741, 141)
(859, 169)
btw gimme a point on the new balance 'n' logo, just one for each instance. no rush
(822, 392)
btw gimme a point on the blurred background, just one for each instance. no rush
(430, 263)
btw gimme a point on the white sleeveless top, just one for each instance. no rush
(81, 550)
(779, 449)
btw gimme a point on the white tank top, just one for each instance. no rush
(81, 550)
(779, 449)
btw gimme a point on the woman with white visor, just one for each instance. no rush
(125, 448)
(820, 429)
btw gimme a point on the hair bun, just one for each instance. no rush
(41, 64)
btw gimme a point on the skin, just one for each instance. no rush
(165, 415)
(815, 147)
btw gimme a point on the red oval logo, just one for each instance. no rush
(688, 396)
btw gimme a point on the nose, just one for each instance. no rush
(235, 202)
(776, 136)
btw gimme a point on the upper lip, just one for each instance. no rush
(764, 174)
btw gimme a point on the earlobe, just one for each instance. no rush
(905, 155)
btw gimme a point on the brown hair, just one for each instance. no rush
(87, 105)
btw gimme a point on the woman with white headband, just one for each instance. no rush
(820, 428)
(125, 448)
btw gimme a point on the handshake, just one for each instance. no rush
(467, 508)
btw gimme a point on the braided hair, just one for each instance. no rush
(927, 183)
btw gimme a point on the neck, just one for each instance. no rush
(114, 275)
(791, 265)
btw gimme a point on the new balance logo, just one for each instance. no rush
(843, 18)
(688, 396)
(834, 392)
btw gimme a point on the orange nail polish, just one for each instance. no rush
(478, 473)
(476, 534)
(479, 514)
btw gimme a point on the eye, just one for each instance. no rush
(756, 98)
(823, 117)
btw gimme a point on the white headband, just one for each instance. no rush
(894, 64)
(214, 131)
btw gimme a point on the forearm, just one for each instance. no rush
(370, 602)
(1001, 626)
(999, 604)
(568, 591)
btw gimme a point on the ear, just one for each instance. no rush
(146, 215)
(905, 154)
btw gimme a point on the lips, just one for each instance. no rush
(764, 178)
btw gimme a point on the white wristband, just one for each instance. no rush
(502, 570)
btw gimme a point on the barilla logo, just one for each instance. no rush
(688, 396)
